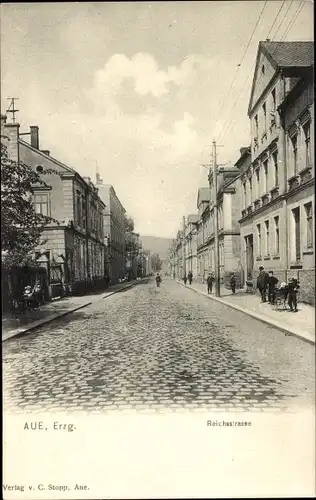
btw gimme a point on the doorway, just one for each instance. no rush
(249, 256)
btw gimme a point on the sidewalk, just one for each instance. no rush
(300, 324)
(19, 324)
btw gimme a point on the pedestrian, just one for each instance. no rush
(293, 288)
(158, 280)
(272, 283)
(209, 282)
(185, 279)
(190, 277)
(262, 283)
(233, 283)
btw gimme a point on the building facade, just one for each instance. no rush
(73, 246)
(114, 231)
(277, 188)
(203, 231)
(190, 241)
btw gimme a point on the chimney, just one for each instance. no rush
(10, 131)
(34, 137)
(46, 152)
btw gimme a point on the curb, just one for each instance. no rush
(256, 316)
(39, 323)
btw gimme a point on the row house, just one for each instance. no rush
(203, 230)
(228, 203)
(190, 241)
(114, 231)
(277, 188)
(73, 247)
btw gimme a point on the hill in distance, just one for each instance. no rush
(155, 244)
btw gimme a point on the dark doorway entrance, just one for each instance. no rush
(249, 256)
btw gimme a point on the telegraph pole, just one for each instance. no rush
(216, 249)
(183, 250)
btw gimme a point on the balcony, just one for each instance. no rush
(294, 182)
(257, 204)
(244, 212)
(249, 210)
(305, 175)
(275, 192)
(265, 199)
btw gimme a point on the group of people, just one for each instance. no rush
(188, 278)
(267, 285)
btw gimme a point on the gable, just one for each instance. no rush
(264, 72)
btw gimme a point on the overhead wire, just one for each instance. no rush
(239, 65)
(228, 124)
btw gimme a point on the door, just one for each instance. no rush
(249, 256)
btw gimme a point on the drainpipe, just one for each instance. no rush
(283, 139)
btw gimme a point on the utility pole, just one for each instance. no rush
(216, 249)
(183, 250)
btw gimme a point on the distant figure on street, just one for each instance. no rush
(262, 283)
(185, 279)
(158, 280)
(293, 288)
(190, 277)
(233, 283)
(272, 283)
(209, 281)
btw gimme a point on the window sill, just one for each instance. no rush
(308, 251)
(266, 257)
(259, 258)
(276, 257)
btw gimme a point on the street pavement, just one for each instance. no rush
(152, 349)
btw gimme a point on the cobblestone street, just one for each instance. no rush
(149, 349)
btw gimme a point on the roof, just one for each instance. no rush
(192, 218)
(203, 195)
(283, 55)
(290, 54)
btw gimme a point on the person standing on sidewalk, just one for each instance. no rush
(292, 295)
(233, 283)
(209, 282)
(262, 283)
(272, 283)
(185, 279)
(190, 277)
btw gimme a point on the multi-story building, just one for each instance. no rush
(191, 245)
(114, 231)
(203, 231)
(277, 188)
(73, 246)
(228, 204)
(178, 256)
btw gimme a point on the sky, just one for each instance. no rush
(140, 90)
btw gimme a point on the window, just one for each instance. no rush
(78, 207)
(263, 69)
(256, 126)
(39, 169)
(250, 189)
(265, 178)
(41, 203)
(294, 150)
(259, 239)
(264, 109)
(273, 101)
(258, 182)
(297, 233)
(267, 239)
(276, 169)
(276, 235)
(309, 225)
(83, 208)
(244, 194)
(307, 134)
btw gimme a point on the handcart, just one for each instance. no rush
(281, 295)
